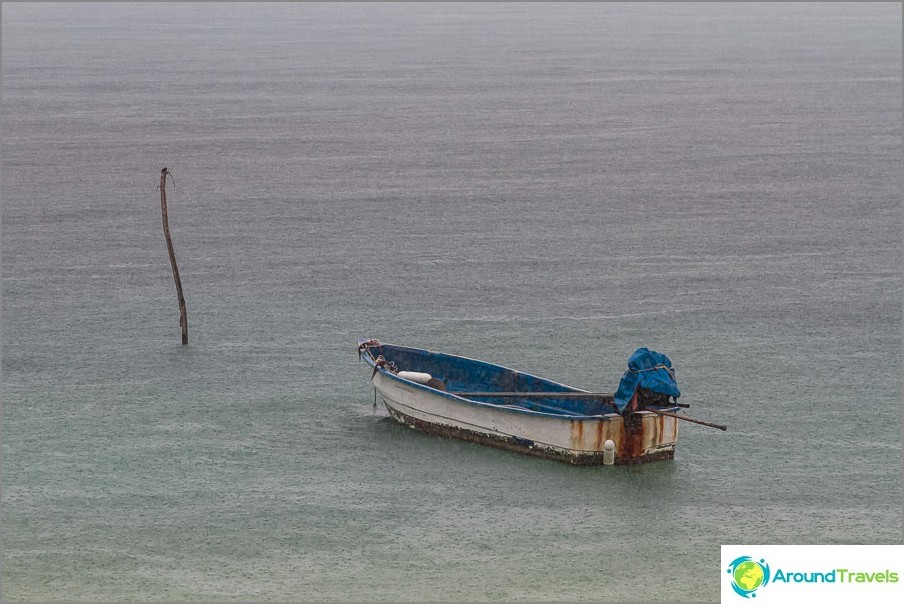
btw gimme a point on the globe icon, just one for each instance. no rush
(748, 575)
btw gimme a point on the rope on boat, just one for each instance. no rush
(666, 367)
(382, 362)
(367, 344)
(379, 361)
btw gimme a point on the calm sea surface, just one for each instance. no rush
(548, 187)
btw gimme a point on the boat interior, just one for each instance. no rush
(488, 383)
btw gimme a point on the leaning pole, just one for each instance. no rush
(183, 313)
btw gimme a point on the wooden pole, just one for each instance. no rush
(183, 313)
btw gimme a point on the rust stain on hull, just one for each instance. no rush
(577, 435)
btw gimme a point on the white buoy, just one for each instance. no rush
(415, 376)
(609, 452)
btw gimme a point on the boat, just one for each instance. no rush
(481, 402)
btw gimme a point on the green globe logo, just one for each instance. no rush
(748, 575)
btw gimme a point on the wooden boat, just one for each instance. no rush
(476, 401)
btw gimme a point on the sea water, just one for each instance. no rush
(547, 187)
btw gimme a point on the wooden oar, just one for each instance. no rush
(687, 419)
(602, 397)
(576, 395)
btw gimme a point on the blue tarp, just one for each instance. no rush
(646, 369)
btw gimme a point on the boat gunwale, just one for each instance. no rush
(434, 391)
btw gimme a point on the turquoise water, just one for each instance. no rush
(542, 186)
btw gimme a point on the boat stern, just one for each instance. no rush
(639, 438)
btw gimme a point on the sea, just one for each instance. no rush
(543, 186)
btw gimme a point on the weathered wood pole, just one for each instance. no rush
(183, 313)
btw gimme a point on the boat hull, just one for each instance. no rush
(526, 446)
(638, 437)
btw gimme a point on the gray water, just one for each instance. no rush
(547, 187)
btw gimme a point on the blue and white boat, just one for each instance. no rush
(477, 401)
